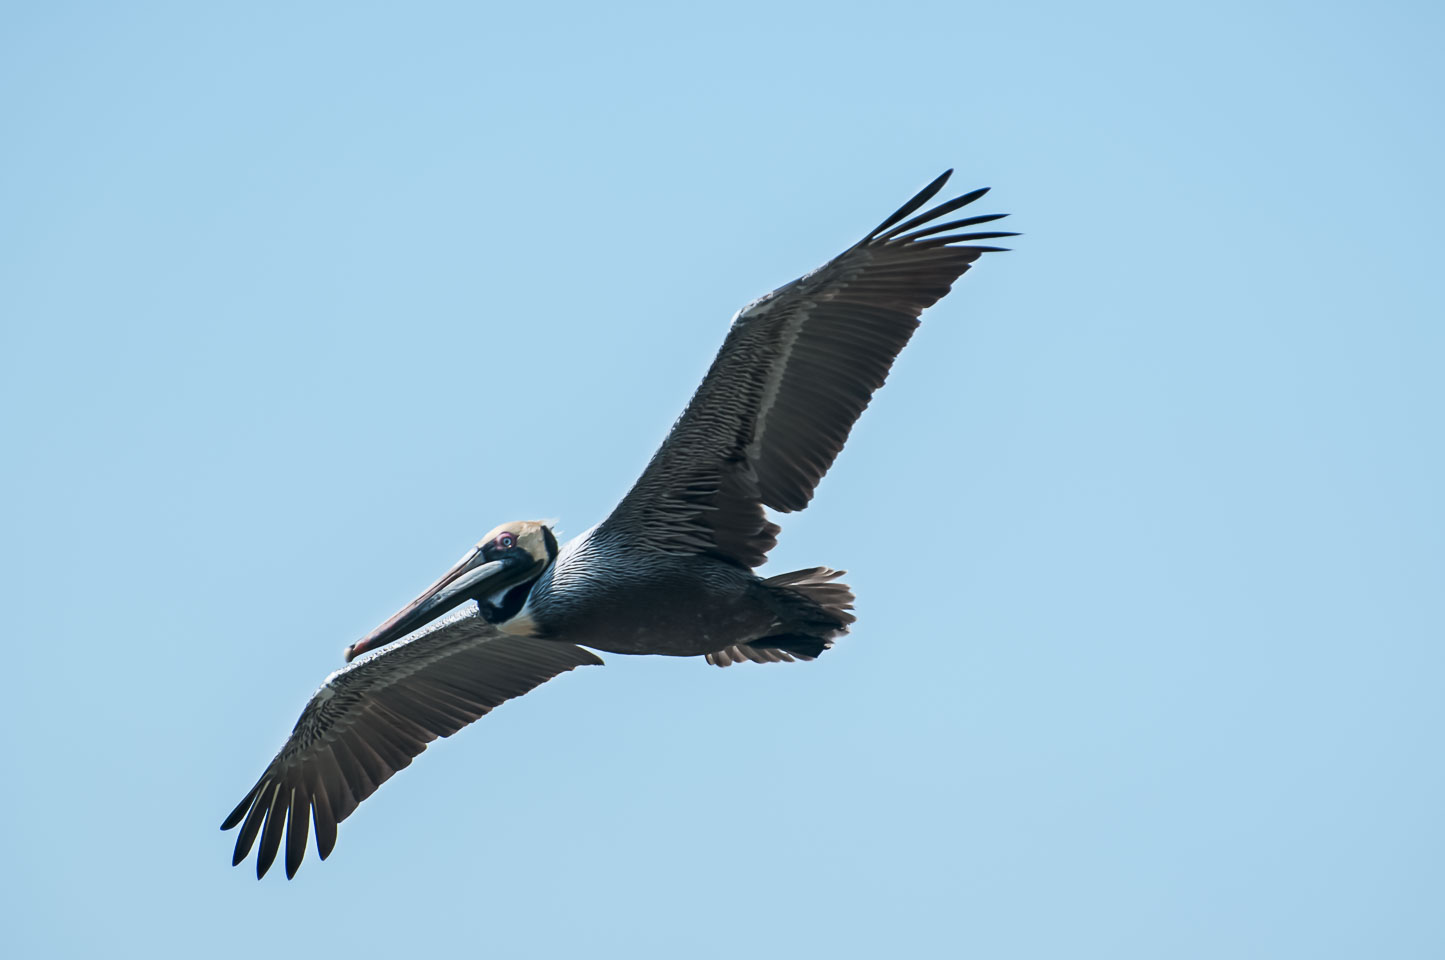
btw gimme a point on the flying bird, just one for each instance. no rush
(669, 572)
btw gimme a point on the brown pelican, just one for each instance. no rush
(669, 572)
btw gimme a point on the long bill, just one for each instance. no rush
(473, 576)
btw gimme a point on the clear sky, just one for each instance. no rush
(1146, 527)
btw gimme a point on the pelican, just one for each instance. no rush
(669, 572)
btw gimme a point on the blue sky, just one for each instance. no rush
(1146, 527)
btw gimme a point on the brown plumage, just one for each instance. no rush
(670, 571)
(795, 372)
(370, 719)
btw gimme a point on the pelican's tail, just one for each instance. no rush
(813, 610)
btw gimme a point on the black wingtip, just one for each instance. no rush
(900, 235)
(237, 814)
(919, 199)
(297, 832)
(990, 235)
(933, 213)
(272, 833)
(254, 819)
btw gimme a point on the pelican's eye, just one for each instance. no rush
(505, 541)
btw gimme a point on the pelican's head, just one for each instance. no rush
(498, 573)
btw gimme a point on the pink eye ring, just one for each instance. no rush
(506, 541)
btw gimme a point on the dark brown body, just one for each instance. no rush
(681, 606)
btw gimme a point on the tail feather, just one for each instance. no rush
(819, 584)
(814, 610)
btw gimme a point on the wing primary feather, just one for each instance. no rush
(275, 827)
(950, 225)
(945, 241)
(321, 816)
(933, 213)
(919, 199)
(325, 833)
(254, 820)
(296, 831)
(241, 808)
(988, 235)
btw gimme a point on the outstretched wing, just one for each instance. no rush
(795, 372)
(372, 717)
